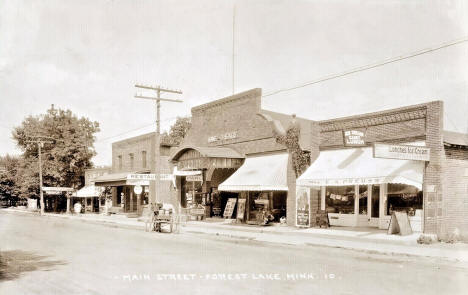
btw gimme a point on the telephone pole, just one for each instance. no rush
(40, 140)
(156, 164)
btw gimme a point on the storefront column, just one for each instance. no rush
(356, 205)
(382, 204)
(131, 200)
(322, 197)
(68, 203)
(369, 202)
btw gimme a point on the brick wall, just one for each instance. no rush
(455, 198)
(136, 146)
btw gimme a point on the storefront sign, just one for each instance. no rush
(225, 136)
(229, 209)
(402, 152)
(354, 138)
(57, 189)
(162, 176)
(302, 207)
(241, 209)
(194, 178)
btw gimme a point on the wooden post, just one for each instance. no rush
(322, 197)
(356, 204)
(131, 200)
(369, 202)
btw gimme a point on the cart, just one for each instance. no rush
(160, 219)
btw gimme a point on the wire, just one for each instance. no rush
(370, 66)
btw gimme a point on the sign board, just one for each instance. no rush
(57, 189)
(162, 176)
(137, 189)
(197, 211)
(194, 178)
(399, 223)
(241, 209)
(303, 206)
(402, 152)
(229, 209)
(354, 137)
(225, 136)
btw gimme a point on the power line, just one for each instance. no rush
(129, 131)
(371, 66)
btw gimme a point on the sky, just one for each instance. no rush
(87, 55)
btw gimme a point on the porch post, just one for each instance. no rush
(356, 204)
(138, 204)
(131, 200)
(68, 203)
(322, 197)
(369, 201)
(382, 203)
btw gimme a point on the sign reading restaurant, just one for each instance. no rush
(354, 138)
(402, 152)
(225, 136)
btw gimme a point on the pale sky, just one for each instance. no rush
(86, 56)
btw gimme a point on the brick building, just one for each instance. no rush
(232, 151)
(434, 192)
(134, 156)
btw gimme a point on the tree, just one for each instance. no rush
(178, 131)
(65, 159)
(8, 178)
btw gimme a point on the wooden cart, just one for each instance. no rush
(160, 219)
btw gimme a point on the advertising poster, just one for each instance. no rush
(302, 207)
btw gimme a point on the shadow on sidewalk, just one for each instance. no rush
(15, 262)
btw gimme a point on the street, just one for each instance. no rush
(48, 255)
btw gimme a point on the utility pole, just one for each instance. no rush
(156, 164)
(40, 144)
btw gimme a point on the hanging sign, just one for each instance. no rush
(354, 137)
(137, 189)
(402, 152)
(302, 207)
(194, 178)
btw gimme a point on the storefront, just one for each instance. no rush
(123, 199)
(198, 172)
(261, 184)
(358, 189)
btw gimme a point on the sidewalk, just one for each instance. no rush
(360, 239)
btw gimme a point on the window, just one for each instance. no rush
(131, 160)
(120, 162)
(143, 159)
(404, 198)
(340, 199)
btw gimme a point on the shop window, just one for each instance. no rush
(363, 195)
(339, 199)
(375, 212)
(404, 198)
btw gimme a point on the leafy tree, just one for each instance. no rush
(8, 178)
(64, 159)
(178, 131)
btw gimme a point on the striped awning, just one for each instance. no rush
(261, 173)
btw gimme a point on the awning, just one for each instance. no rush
(263, 173)
(185, 172)
(358, 166)
(118, 179)
(88, 191)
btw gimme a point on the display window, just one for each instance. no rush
(403, 198)
(339, 199)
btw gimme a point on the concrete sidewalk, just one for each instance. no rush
(360, 239)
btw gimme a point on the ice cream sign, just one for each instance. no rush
(354, 138)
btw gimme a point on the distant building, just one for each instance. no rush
(134, 156)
